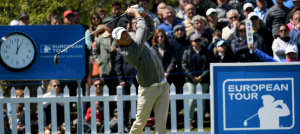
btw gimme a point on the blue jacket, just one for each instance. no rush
(266, 57)
(167, 28)
(295, 38)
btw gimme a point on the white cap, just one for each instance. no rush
(251, 15)
(210, 10)
(289, 49)
(117, 32)
(247, 5)
(14, 23)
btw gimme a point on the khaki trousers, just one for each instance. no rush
(158, 98)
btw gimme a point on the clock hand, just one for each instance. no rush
(18, 47)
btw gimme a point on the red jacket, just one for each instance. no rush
(98, 113)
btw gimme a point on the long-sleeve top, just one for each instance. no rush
(89, 40)
(261, 14)
(45, 104)
(278, 48)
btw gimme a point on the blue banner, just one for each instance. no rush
(255, 98)
(47, 41)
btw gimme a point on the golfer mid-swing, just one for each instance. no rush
(154, 89)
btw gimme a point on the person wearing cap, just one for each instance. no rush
(195, 65)
(276, 16)
(150, 75)
(248, 8)
(68, 17)
(222, 10)
(224, 54)
(125, 20)
(190, 11)
(212, 17)
(290, 54)
(104, 53)
(23, 19)
(228, 32)
(261, 9)
(14, 23)
(198, 24)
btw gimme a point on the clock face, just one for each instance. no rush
(18, 51)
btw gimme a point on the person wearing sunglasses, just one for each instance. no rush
(95, 20)
(228, 32)
(195, 65)
(239, 46)
(248, 8)
(53, 84)
(212, 17)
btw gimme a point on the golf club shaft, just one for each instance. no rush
(251, 117)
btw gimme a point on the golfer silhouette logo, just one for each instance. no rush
(269, 114)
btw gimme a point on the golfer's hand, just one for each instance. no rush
(123, 84)
(132, 12)
(113, 49)
(195, 80)
(166, 75)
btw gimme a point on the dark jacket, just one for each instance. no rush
(241, 51)
(265, 40)
(295, 38)
(123, 22)
(187, 64)
(168, 60)
(124, 70)
(228, 57)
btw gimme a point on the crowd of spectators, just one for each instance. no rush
(188, 38)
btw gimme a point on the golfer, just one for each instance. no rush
(154, 89)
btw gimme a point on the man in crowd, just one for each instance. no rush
(228, 32)
(248, 8)
(77, 19)
(179, 11)
(125, 20)
(276, 16)
(261, 9)
(296, 5)
(23, 19)
(212, 17)
(116, 10)
(48, 19)
(68, 17)
(144, 4)
(222, 10)
(170, 22)
(55, 20)
(190, 11)
(294, 34)
(159, 18)
(200, 30)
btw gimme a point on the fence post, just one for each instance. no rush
(13, 112)
(186, 110)
(106, 111)
(173, 110)
(120, 110)
(1, 111)
(79, 107)
(67, 111)
(133, 102)
(27, 112)
(200, 108)
(93, 111)
(40, 111)
(53, 112)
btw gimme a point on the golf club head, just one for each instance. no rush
(245, 123)
(56, 59)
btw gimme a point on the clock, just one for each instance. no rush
(17, 52)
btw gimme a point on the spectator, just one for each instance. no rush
(288, 3)
(228, 32)
(23, 19)
(200, 30)
(55, 20)
(19, 94)
(95, 20)
(20, 120)
(116, 10)
(261, 9)
(212, 17)
(104, 53)
(48, 19)
(159, 17)
(68, 17)
(190, 11)
(263, 35)
(6, 124)
(59, 107)
(132, 26)
(294, 34)
(202, 6)
(222, 10)
(99, 116)
(102, 13)
(169, 23)
(195, 64)
(281, 43)
(144, 4)
(77, 19)
(125, 20)
(276, 16)
(239, 45)
(224, 54)
(154, 5)
(290, 54)
(290, 17)
(248, 8)
(179, 11)
(253, 2)
(212, 48)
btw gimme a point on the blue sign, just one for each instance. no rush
(255, 98)
(45, 42)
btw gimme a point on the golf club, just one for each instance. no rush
(245, 122)
(56, 57)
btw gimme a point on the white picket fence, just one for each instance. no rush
(93, 98)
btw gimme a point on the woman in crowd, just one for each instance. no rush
(95, 20)
(281, 43)
(59, 107)
(131, 27)
(289, 18)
